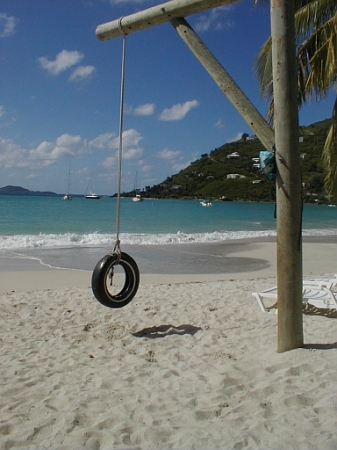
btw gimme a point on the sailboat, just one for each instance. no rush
(91, 195)
(137, 197)
(206, 203)
(67, 196)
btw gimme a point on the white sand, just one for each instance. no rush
(186, 365)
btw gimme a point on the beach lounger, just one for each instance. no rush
(319, 296)
(330, 284)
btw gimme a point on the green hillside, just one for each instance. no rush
(207, 177)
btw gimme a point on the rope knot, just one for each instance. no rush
(120, 27)
(117, 250)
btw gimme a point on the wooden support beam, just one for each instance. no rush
(228, 86)
(156, 15)
(288, 180)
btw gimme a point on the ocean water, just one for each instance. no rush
(49, 222)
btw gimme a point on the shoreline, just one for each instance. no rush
(162, 264)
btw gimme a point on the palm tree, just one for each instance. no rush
(316, 34)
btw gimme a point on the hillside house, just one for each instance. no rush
(234, 176)
(234, 155)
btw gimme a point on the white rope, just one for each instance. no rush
(120, 152)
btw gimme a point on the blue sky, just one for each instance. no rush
(60, 93)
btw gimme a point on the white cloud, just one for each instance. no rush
(214, 19)
(67, 140)
(146, 168)
(168, 154)
(109, 141)
(145, 110)
(45, 154)
(235, 138)
(179, 166)
(31, 176)
(63, 61)
(109, 162)
(218, 124)
(178, 111)
(7, 25)
(131, 149)
(129, 154)
(202, 23)
(131, 138)
(11, 154)
(82, 72)
(133, 153)
(49, 152)
(9, 122)
(103, 141)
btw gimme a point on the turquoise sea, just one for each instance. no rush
(50, 222)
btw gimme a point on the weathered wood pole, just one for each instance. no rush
(155, 15)
(226, 83)
(288, 181)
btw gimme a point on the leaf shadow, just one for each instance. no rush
(162, 331)
(311, 310)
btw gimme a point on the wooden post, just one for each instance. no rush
(288, 182)
(228, 86)
(289, 205)
(155, 15)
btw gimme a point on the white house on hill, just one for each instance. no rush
(234, 155)
(235, 175)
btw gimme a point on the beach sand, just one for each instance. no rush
(190, 363)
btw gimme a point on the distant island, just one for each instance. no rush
(18, 190)
(232, 173)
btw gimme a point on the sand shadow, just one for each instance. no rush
(320, 346)
(162, 331)
(311, 310)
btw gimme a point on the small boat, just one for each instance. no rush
(67, 196)
(137, 197)
(91, 195)
(206, 203)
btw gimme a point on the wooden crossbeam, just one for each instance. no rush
(226, 83)
(155, 15)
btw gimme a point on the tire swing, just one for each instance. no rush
(104, 272)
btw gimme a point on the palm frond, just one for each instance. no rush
(317, 58)
(263, 67)
(330, 157)
(312, 15)
(316, 35)
(264, 74)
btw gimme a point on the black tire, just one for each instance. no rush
(100, 278)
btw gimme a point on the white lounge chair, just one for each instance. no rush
(330, 284)
(319, 296)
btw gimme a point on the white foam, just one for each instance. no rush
(67, 240)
